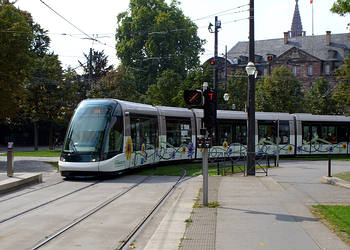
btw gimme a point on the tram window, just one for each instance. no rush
(267, 131)
(178, 131)
(225, 133)
(306, 135)
(328, 134)
(240, 134)
(284, 132)
(115, 137)
(343, 134)
(144, 130)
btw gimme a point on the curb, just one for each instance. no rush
(336, 181)
(18, 181)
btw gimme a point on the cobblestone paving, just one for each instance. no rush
(201, 231)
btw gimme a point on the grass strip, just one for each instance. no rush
(192, 169)
(40, 153)
(344, 176)
(336, 218)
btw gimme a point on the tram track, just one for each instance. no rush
(46, 203)
(125, 243)
(87, 214)
(31, 191)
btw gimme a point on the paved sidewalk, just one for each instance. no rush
(258, 213)
(262, 212)
(27, 170)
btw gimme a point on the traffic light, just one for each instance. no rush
(269, 58)
(193, 97)
(212, 61)
(209, 109)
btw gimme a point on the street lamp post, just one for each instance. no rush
(251, 71)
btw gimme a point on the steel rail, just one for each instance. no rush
(86, 215)
(125, 244)
(48, 202)
(31, 191)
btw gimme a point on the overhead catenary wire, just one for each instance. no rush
(80, 30)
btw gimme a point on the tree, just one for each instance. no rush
(319, 99)
(341, 94)
(341, 7)
(153, 37)
(115, 84)
(194, 80)
(279, 92)
(164, 91)
(45, 92)
(237, 89)
(16, 58)
(99, 65)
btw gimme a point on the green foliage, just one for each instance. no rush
(15, 43)
(341, 7)
(237, 89)
(153, 37)
(165, 90)
(279, 92)
(194, 80)
(115, 84)
(341, 94)
(319, 99)
(99, 65)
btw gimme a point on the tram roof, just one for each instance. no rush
(330, 118)
(174, 111)
(138, 108)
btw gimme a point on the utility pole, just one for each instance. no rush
(90, 66)
(225, 68)
(217, 26)
(251, 97)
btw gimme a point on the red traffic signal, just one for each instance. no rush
(209, 109)
(269, 58)
(193, 97)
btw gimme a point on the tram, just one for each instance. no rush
(109, 135)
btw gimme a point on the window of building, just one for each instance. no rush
(266, 71)
(295, 70)
(327, 69)
(178, 131)
(310, 70)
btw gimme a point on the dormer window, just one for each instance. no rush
(310, 70)
(327, 69)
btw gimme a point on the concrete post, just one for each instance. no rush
(10, 158)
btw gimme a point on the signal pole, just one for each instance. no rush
(251, 97)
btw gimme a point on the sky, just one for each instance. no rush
(98, 19)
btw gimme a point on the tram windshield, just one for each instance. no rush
(87, 128)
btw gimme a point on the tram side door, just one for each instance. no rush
(310, 132)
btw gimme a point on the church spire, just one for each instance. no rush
(297, 27)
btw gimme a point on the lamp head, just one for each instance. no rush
(250, 68)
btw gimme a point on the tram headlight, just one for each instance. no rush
(62, 159)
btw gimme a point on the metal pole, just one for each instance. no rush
(329, 166)
(278, 142)
(205, 176)
(251, 98)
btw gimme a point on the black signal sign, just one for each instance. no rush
(193, 97)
